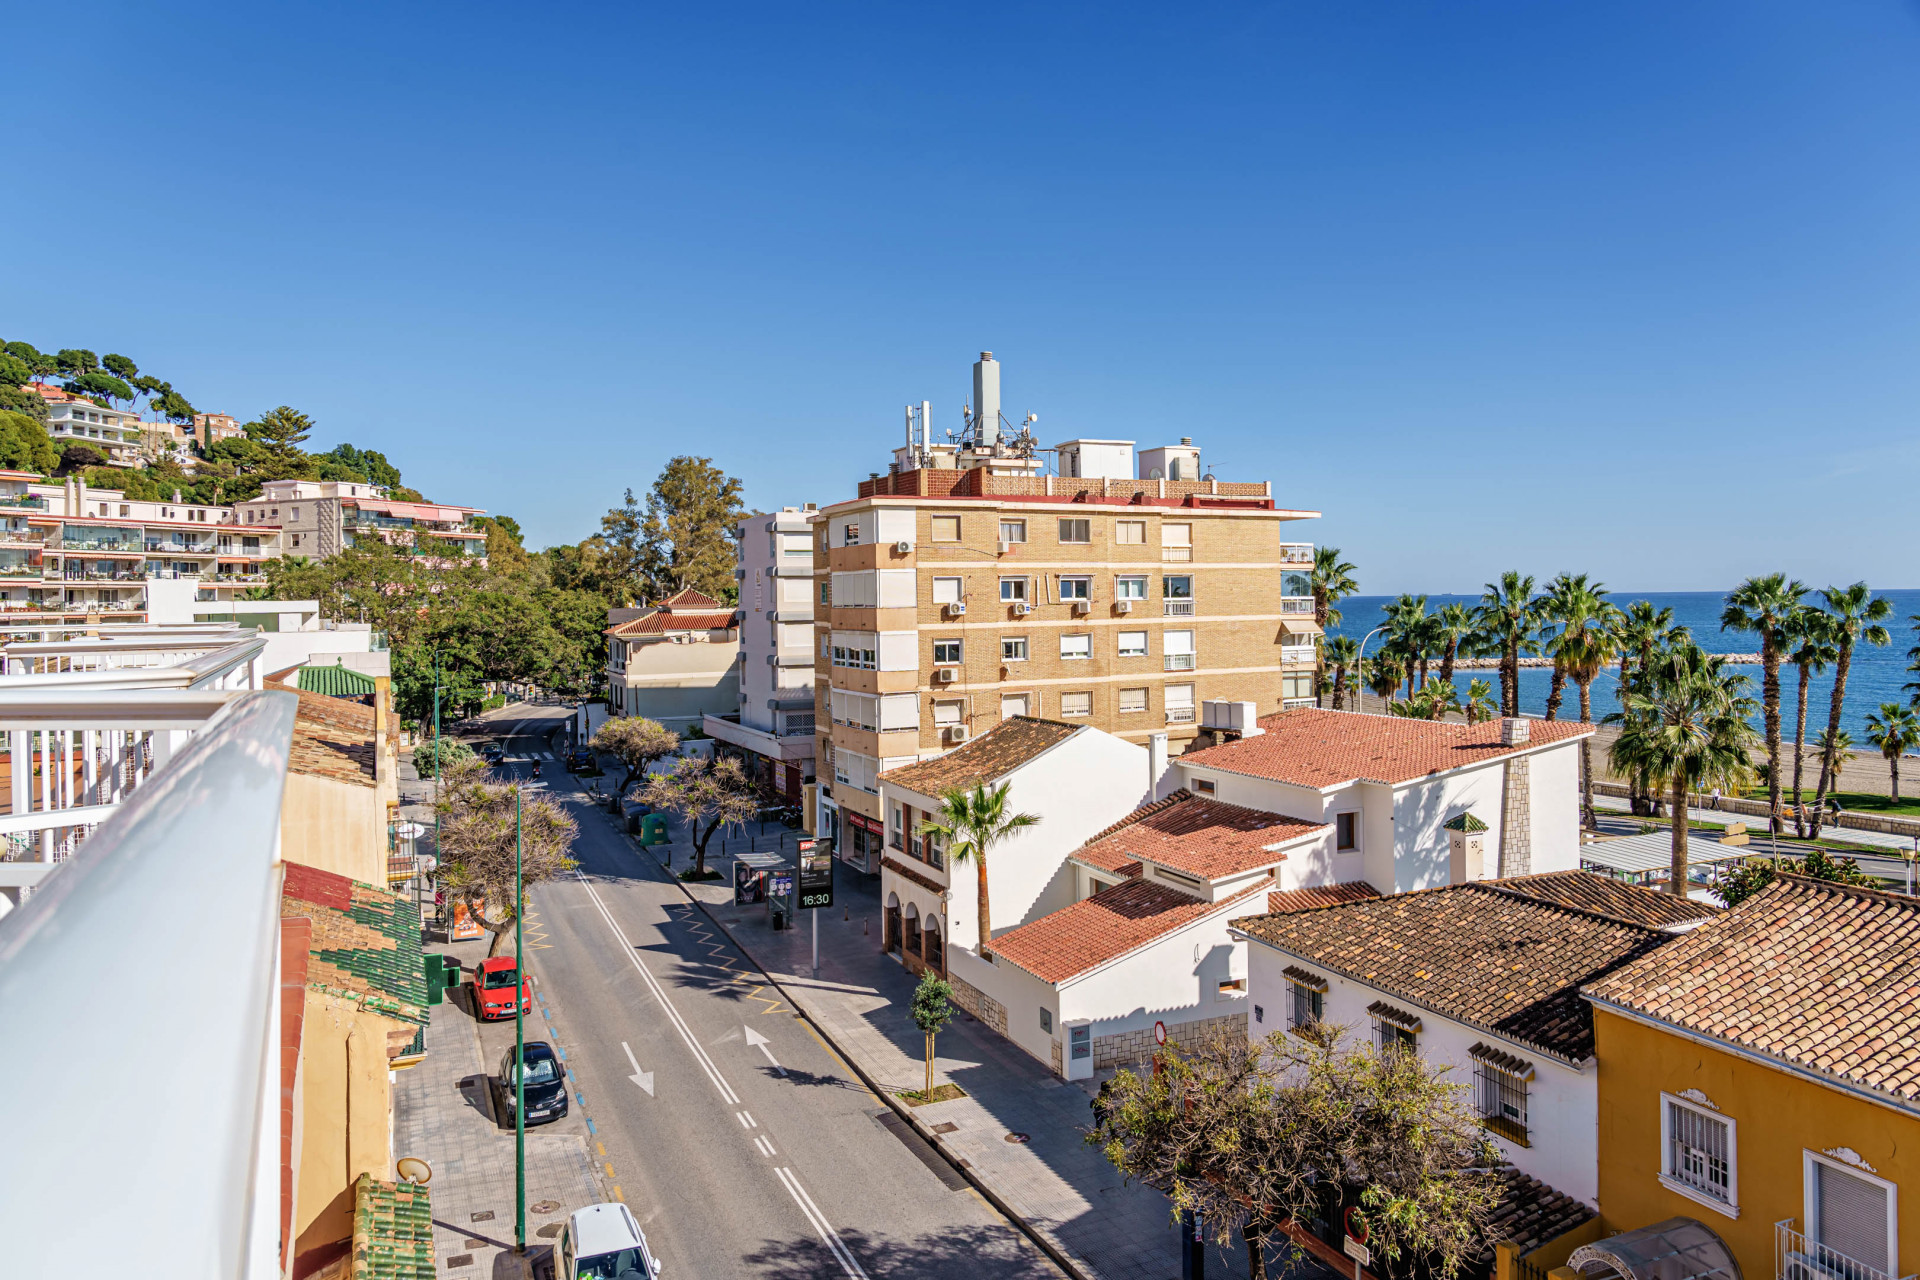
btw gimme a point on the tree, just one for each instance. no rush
(280, 433)
(1894, 729)
(687, 536)
(75, 362)
(1506, 622)
(1452, 628)
(1750, 875)
(1640, 630)
(697, 790)
(1255, 1136)
(103, 385)
(1684, 728)
(1813, 651)
(1332, 583)
(1340, 654)
(1766, 606)
(477, 836)
(451, 755)
(931, 1011)
(1479, 702)
(1582, 645)
(971, 825)
(1855, 616)
(635, 742)
(14, 371)
(619, 554)
(25, 445)
(1407, 636)
(120, 367)
(1382, 674)
(78, 457)
(1431, 701)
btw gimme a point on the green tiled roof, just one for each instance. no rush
(392, 1231)
(336, 681)
(366, 943)
(1465, 822)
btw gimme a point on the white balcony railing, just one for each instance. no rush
(1296, 604)
(1179, 715)
(1176, 555)
(188, 865)
(1180, 662)
(1177, 608)
(1797, 1258)
(1296, 553)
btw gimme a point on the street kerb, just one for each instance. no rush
(966, 1170)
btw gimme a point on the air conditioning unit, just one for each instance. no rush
(1123, 606)
(946, 675)
(956, 734)
(903, 546)
(1082, 607)
(956, 607)
(1005, 547)
(1023, 608)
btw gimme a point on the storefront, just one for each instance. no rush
(860, 842)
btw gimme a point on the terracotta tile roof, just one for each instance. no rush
(392, 1231)
(1490, 959)
(1326, 895)
(691, 601)
(1310, 747)
(662, 622)
(1530, 1213)
(1605, 896)
(333, 738)
(1822, 977)
(366, 943)
(1111, 923)
(1201, 837)
(988, 758)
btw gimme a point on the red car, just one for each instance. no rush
(493, 983)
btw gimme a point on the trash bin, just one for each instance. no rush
(653, 829)
(633, 823)
(779, 919)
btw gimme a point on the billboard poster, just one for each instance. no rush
(749, 885)
(464, 926)
(816, 873)
(780, 885)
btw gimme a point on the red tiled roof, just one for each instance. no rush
(1822, 977)
(1311, 747)
(1326, 895)
(993, 755)
(659, 623)
(1201, 837)
(690, 600)
(1111, 923)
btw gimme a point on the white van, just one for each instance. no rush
(603, 1242)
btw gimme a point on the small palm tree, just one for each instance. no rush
(971, 824)
(1431, 701)
(1332, 583)
(1582, 646)
(1894, 729)
(1340, 653)
(1383, 674)
(1912, 687)
(1812, 653)
(1507, 619)
(1766, 606)
(1683, 729)
(1855, 616)
(1479, 702)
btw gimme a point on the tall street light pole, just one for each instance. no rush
(519, 1045)
(1359, 664)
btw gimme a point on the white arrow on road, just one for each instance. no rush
(757, 1041)
(642, 1078)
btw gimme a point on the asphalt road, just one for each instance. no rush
(756, 1152)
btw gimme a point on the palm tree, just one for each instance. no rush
(1406, 634)
(1842, 754)
(1507, 620)
(1855, 615)
(1431, 702)
(1813, 651)
(1479, 702)
(1383, 674)
(1340, 653)
(1893, 730)
(1566, 598)
(1684, 727)
(1912, 687)
(1452, 628)
(1639, 631)
(1766, 606)
(970, 825)
(1582, 648)
(1332, 583)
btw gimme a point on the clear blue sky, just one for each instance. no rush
(1628, 288)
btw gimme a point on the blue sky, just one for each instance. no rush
(1631, 289)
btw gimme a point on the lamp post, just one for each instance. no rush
(436, 777)
(1911, 855)
(519, 1045)
(1360, 662)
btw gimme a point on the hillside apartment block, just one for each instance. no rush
(964, 588)
(324, 517)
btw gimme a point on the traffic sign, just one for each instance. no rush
(1159, 1033)
(1357, 1251)
(816, 873)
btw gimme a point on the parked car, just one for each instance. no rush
(603, 1242)
(493, 982)
(493, 752)
(546, 1084)
(580, 759)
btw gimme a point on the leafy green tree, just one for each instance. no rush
(345, 462)
(1507, 619)
(1452, 631)
(103, 385)
(14, 371)
(931, 1011)
(172, 406)
(971, 824)
(1641, 630)
(75, 362)
(78, 457)
(1407, 635)
(1750, 875)
(635, 742)
(280, 433)
(716, 793)
(25, 445)
(478, 834)
(1479, 706)
(1431, 701)
(17, 400)
(451, 755)
(577, 664)
(1582, 644)
(687, 536)
(619, 562)
(1855, 617)
(1340, 654)
(1765, 606)
(1895, 730)
(120, 367)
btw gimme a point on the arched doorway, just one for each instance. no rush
(910, 937)
(890, 924)
(935, 948)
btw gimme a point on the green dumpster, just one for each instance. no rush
(653, 829)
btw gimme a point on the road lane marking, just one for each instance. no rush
(828, 1236)
(659, 993)
(642, 1078)
(757, 1041)
(746, 1121)
(766, 1148)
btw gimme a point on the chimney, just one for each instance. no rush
(1513, 731)
(1156, 763)
(986, 399)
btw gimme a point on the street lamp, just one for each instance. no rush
(1360, 662)
(1911, 855)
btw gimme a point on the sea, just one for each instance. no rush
(1877, 675)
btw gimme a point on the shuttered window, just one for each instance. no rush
(1849, 1217)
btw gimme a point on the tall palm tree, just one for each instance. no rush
(1567, 597)
(1507, 621)
(1640, 631)
(1912, 687)
(1452, 628)
(1332, 582)
(1765, 606)
(1406, 634)
(1685, 727)
(1842, 754)
(1856, 614)
(1894, 729)
(1383, 675)
(1582, 648)
(971, 824)
(1812, 652)
(1340, 653)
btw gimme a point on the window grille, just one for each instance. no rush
(1698, 1153)
(1307, 1006)
(1502, 1096)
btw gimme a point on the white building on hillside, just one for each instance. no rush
(113, 433)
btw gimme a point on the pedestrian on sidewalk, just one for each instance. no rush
(1716, 797)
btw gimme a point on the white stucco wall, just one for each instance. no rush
(1556, 808)
(1173, 979)
(1562, 1103)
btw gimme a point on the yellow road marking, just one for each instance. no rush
(617, 1196)
(609, 1169)
(603, 1149)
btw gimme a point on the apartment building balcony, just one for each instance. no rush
(22, 502)
(1297, 604)
(155, 572)
(162, 546)
(1795, 1257)
(1179, 715)
(100, 546)
(1180, 661)
(1177, 608)
(1296, 553)
(70, 574)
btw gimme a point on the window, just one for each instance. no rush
(1698, 1152)
(946, 712)
(1130, 533)
(1500, 1092)
(1851, 1214)
(1130, 588)
(1133, 644)
(1133, 700)
(854, 652)
(1259, 1013)
(1177, 647)
(1346, 832)
(1204, 786)
(850, 534)
(1013, 648)
(1394, 1030)
(1013, 531)
(1075, 589)
(1300, 686)
(1012, 704)
(1076, 646)
(1176, 542)
(1308, 999)
(1013, 590)
(296, 513)
(946, 528)
(1076, 531)
(1046, 1021)
(946, 591)
(1230, 989)
(895, 823)
(946, 653)
(1295, 583)
(1079, 1043)
(1076, 704)
(1179, 703)
(1177, 586)
(826, 591)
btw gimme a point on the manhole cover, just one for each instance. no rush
(1018, 1137)
(460, 1260)
(484, 1216)
(476, 1243)
(946, 1126)
(549, 1231)
(546, 1206)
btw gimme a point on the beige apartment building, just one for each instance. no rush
(966, 586)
